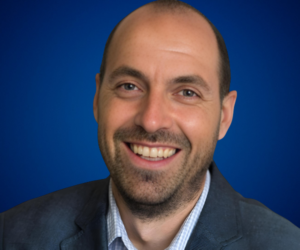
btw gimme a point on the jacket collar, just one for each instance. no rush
(92, 222)
(219, 223)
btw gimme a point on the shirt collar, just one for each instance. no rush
(115, 226)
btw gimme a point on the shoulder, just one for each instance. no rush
(264, 229)
(52, 215)
(62, 203)
(240, 223)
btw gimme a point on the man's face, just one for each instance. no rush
(158, 108)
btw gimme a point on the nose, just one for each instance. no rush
(154, 113)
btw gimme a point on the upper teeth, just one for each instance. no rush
(152, 152)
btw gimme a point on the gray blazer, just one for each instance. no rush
(75, 218)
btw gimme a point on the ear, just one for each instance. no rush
(96, 97)
(227, 113)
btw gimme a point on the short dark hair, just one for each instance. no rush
(174, 5)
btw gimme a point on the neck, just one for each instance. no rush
(155, 233)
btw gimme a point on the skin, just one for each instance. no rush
(162, 47)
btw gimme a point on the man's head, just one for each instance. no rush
(158, 107)
(178, 6)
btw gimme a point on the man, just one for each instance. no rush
(162, 101)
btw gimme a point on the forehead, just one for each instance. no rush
(182, 39)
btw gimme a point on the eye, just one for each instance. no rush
(187, 93)
(129, 86)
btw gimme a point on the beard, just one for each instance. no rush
(153, 194)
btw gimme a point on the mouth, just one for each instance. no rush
(152, 153)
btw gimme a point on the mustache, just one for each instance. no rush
(161, 136)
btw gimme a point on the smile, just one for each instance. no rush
(152, 153)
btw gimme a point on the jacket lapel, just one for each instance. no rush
(92, 222)
(219, 224)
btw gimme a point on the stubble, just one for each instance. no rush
(153, 194)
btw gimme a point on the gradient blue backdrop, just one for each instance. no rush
(51, 50)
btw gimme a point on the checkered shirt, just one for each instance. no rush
(117, 235)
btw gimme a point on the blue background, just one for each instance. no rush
(51, 50)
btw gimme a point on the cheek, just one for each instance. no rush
(114, 115)
(120, 113)
(198, 124)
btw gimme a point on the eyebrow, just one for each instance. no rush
(192, 79)
(127, 71)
